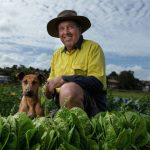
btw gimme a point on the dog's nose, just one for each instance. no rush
(28, 93)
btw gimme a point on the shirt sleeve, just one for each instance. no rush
(96, 64)
(89, 83)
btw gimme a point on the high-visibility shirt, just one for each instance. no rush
(89, 60)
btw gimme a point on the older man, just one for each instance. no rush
(77, 76)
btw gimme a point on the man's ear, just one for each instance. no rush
(20, 75)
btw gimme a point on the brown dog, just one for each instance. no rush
(30, 102)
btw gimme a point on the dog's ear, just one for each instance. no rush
(41, 78)
(20, 75)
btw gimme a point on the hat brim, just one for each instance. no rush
(52, 26)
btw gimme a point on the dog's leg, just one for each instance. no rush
(39, 109)
(31, 112)
(23, 107)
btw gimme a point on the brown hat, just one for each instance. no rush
(52, 26)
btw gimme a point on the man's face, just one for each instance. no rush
(69, 33)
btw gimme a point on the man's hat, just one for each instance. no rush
(52, 26)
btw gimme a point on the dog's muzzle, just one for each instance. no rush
(28, 93)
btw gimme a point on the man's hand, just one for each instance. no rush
(52, 85)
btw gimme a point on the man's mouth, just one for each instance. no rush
(68, 39)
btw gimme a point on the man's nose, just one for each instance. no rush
(66, 30)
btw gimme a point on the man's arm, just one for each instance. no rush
(89, 83)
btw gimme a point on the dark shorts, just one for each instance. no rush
(94, 104)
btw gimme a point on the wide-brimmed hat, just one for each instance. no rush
(52, 26)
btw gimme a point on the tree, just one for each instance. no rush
(12, 71)
(127, 80)
(113, 75)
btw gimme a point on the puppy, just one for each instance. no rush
(30, 102)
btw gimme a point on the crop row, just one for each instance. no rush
(73, 130)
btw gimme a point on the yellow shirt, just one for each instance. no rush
(87, 61)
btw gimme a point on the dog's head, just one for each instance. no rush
(30, 83)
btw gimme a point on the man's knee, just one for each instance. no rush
(71, 95)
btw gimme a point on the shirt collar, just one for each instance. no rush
(77, 45)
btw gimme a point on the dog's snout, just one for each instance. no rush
(28, 93)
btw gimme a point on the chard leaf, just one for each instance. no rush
(63, 122)
(78, 125)
(118, 121)
(43, 126)
(12, 142)
(5, 134)
(88, 144)
(124, 139)
(70, 133)
(62, 126)
(0, 126)
(75, 139)
(110, 133)
(29, 134)
(65, 115)
(83, 118)
(68, 146)
(49, 140)
(98, 127)
(23, 124)
(143, 139)
(46, 139)
(138, 125)
(36, 147)
(12, 122)
(93, 145)
(147, 119)
(53, 140)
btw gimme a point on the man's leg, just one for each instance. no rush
(71, 95)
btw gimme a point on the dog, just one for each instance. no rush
(30, 102)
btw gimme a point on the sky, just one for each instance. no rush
(121, 27)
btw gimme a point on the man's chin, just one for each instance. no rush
(68, 46)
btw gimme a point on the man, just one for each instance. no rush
(77, 77)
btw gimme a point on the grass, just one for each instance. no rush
(10, 96)
(129, 94)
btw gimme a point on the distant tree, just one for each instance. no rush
(127, 80)
(113, 75)
(12, 71)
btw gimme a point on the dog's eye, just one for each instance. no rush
(25, 82)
